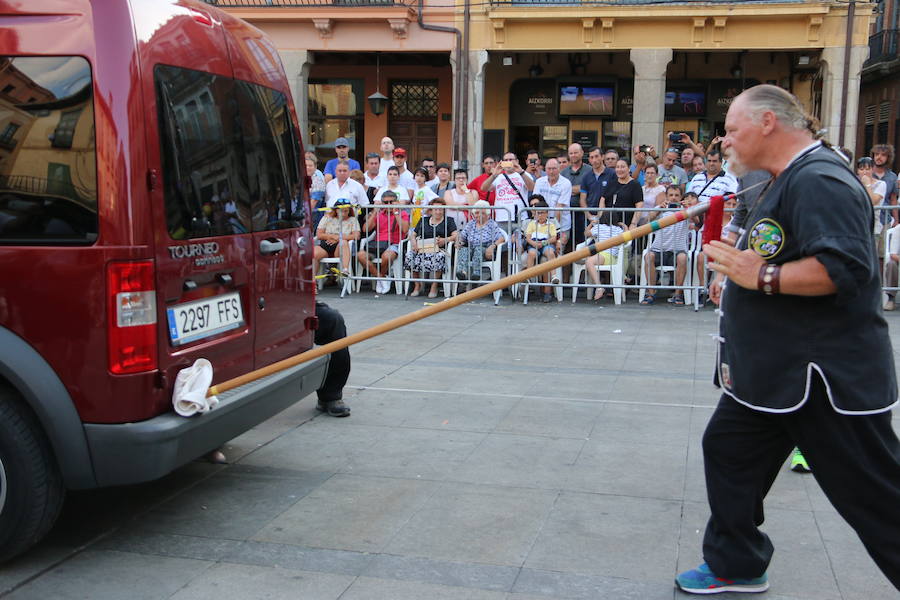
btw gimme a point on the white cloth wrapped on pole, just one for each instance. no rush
(191, 385)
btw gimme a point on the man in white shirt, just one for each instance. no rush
(406, 178)
(557, 192)
(387, 156)
(511, 185)
(344, 187)
(372, 177)
(714, 181)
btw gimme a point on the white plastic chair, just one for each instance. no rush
(494, 267)
(616, 272)
(520, 264)
(669, 270)
(396, 272)
(347, 285)
(447, 275)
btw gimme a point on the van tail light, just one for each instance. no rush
(131, 312)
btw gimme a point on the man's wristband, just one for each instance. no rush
(769, 279)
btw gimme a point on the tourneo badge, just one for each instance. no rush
(766, 238)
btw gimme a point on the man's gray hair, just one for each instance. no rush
(784, 105)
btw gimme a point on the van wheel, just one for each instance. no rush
(31, 488)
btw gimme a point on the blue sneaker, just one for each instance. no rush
(702, 581)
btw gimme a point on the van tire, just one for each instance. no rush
(31, 487)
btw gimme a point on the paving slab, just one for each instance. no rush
(227, 581)
(350, 512)
(111, 575)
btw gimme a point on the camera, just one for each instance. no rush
(675, 137)
(674, 205)
(532, 161)
(506, 163)
(644, 148)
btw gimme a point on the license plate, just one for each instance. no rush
(203, 318)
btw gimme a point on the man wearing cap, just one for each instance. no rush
(342, 149)
(406, 178)
(342, 187)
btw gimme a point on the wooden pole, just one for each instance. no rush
(484, 290)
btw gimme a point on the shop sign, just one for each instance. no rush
(625, 102)
(721, 94)
(533, 102)
(587, 138)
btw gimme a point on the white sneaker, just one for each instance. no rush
(889, 305)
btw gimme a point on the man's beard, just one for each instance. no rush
(735, 166)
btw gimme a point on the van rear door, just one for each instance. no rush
(282, 236)
(198, 193)
(284, 298)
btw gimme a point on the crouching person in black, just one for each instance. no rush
(331, 328)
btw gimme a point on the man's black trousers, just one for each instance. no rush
(331, 328)
(855, 459)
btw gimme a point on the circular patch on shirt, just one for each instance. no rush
(766, 238)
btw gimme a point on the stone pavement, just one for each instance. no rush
(511, 452)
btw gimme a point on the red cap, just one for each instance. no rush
(399, 152)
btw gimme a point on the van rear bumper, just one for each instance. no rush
(134, 452)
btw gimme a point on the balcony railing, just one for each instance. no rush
(883, 46)
(306, 3)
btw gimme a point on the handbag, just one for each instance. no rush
(428, 246)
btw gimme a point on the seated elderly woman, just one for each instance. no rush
(335, 232)
(428, 243)
(478, 242)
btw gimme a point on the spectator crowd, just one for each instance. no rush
(433, 220)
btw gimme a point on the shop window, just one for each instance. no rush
(555, 141)
(335, 110)
(617, 136)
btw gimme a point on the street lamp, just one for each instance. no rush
(377, 101)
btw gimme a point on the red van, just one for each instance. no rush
(153, 211)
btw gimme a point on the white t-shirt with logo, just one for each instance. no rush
(506, 195)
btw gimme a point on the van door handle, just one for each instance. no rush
(271, 246)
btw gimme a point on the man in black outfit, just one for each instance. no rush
(331, 328)
(804, 357)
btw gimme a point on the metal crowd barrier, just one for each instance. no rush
(512, 256)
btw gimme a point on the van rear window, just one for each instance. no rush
(48, 172)
(229, 155)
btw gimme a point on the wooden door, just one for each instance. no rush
(419, 139)
(414, 113)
